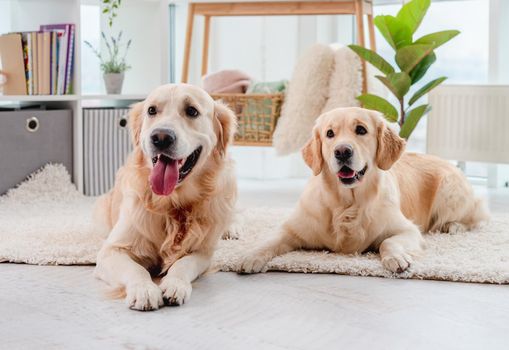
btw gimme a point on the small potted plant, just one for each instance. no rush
(413, 59)
(114, 65)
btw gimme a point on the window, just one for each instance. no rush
(464, 60)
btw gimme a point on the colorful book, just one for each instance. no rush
(24, 48)
(39, 68)
(39, 63)
(46, 64)
(28, 68)
(54, 62)
(35, 77)
(11, 56)
(65, 33)
(70, 61)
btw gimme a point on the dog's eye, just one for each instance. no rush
(191, 112)
(152, 110)
(330, 133)
(360, 130)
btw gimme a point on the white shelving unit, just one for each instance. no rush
(146, 22)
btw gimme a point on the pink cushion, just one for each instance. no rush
(226, 81)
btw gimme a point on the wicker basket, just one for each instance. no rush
(257, 116)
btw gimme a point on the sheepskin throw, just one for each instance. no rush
(305, 98)
(46, 221)
(345, 82)
(320, 84)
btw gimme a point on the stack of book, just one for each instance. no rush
(39, 63)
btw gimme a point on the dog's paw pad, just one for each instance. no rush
(144, 296)
(397, 262)
(175, 291)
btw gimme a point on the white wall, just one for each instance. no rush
(499, 43)
(498, 174)
(5, 23)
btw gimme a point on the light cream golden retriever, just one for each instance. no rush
(172, 199)
(367, 195)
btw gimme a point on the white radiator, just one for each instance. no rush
(106, 144)
(469, 123)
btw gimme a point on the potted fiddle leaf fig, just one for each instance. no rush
(413, 59)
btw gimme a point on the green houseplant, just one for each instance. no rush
(413, 59)
(110, 8)
(114, 65)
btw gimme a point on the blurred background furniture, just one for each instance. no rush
(209, 9)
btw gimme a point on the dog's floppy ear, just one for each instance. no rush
(390, 146)
(312, 152)
(135, 121)
(225, 125)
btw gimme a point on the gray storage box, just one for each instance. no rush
(29, 139)
(106, 145)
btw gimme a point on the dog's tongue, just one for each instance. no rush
(346, 173)
(164, 176)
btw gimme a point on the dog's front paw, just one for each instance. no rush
(397, 262)
(235, 230)
(175, 290)
(254, 264)
(144, 296)
(453, 228)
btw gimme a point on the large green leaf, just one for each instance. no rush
(379, 104)
(412, 13)
(425, 89)
(437, 39)
(412, 119)
(398, 83)
(396, 33)
(408, 57)
(418, 72)
(373, 58)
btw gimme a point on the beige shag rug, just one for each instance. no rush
(46, 221)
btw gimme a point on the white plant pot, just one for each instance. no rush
(113, 83)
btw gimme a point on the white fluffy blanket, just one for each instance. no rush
(325, 77)
(306, 96)
(46, 221)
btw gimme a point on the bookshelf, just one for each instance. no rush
(146, 22)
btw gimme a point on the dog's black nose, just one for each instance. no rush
(162, 139)
(343, 153)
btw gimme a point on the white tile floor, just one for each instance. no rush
(63, 307)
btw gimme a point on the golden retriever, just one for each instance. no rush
(362, 197)
(172, 199)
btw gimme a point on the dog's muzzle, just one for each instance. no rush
(348, 176)
(167, 169)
